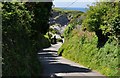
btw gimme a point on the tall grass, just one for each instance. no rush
(81, 47)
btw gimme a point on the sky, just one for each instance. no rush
(73, 3)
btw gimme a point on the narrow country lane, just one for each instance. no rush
(60, 67)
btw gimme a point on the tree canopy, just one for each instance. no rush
(103, 19)
(24, 25)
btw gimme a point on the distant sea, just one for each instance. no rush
(75, 8)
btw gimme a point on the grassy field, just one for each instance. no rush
(66, 11)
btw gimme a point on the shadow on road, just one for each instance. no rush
(52, 64)
(65, 68)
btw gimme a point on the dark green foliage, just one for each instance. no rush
(116, 27)
(21, 41)
(103, 20)
(41, 12)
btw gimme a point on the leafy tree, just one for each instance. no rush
(115, 27)
(41, 12)
(98, 19)
(21, 40)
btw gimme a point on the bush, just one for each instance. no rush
(82, 48)
(20, 42)
(103, 20)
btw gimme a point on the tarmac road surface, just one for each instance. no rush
(55, 66)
